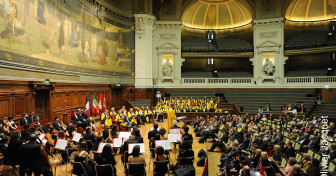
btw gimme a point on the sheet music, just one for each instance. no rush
(164, 143)
(175, 131)
(44, 141)
(41, 136)
(175, 137)
(142, 147)
(61, 144)
(101, 146)
(117, 142)
(124, 134)
(76, 137)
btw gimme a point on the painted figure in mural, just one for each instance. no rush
(74, 37)
(41, 16)
(268, 67)
(14, 27)
(61, 37)
(5, 9)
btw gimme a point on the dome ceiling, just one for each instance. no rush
(311, 10)
(216, 14)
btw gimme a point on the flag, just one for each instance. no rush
(87, 105)
(94, 105)
(100, 104)
(104, 104)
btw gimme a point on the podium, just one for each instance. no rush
(65, 118)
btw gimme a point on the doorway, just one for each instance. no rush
(43, 103)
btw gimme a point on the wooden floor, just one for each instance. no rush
(213, 157)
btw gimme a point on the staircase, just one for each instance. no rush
(330, 108)
(250, 100)
(317, 110)
(141, 102)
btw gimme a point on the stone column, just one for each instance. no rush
(268, 61)
(143, 50)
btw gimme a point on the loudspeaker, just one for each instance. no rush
(201, 161)
(167, 95)
(241, 108)
(201, 153)
(131, 90)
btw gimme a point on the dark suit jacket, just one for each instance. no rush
(30, 156)
(89, 136)
(12, 149)
(189, 136)
(246, 143)
(30, 119)
(124, 148)
(300, 109)
(24, 121)
(75, 119)
(139, 139)
(332, 155)
(152, 133)
(290, 152)
(57, 126)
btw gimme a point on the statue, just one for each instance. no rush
(167, 69)
(268, 67)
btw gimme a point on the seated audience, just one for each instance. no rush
(107, 157)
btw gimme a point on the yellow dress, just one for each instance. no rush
(170, 118)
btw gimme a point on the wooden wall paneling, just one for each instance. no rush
(19, 105)
(5, 110)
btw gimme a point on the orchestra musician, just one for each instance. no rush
(105, 117)
(57, 125)
(141, 115)
(132, 117)
(149, 115)
(32, 157)
(159, 114)
(113, 114)
(75, 118)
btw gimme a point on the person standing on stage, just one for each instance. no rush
(171, 116)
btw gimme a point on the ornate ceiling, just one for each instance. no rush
(216, 14)
(311, 10)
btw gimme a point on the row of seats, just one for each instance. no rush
(305, 73)
(297, 145)
(251, 100)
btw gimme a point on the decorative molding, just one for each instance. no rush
(167, 26)
(110, 11)
(311, 50)
(265, 35)
(267, 23)
(140, 21)
(167, 45)
(214, 54)
(167, 36)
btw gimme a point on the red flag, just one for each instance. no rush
(104, 104)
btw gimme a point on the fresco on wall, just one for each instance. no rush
(65, 35)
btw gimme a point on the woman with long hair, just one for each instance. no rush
(107, 157)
